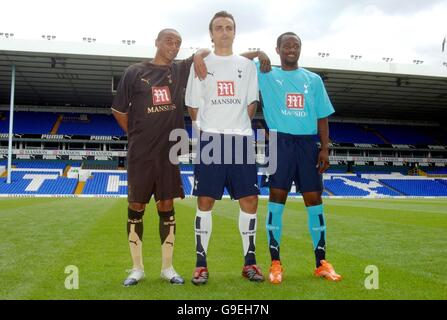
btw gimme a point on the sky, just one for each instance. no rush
(404, 30)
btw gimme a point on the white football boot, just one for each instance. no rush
(172, 276)
(135, 276)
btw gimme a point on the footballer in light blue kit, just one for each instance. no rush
(296, 106)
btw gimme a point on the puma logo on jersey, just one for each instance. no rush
(147, 81)
(280, 82)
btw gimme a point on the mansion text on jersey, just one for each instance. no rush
(225, 101)
(161, 108)
(295, 113)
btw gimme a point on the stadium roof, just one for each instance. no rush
(55, 73)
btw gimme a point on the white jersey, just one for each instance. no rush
(222, 98)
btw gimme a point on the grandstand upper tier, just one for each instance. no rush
(83, 75)
(105, 125)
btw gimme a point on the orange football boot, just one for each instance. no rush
(276, 270)
(326, 270)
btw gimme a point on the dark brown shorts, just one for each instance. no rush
(161, 179)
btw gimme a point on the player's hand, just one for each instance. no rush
(200, 69)
(264, 62)
(323, 161)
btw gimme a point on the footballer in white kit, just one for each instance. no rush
(223, 105)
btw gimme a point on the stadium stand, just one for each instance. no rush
(186, 167)
(91, 124)
(381, 169)
(352, 133)
(106, 184)
(31, 182)
(337, 169)
(41, 164)
(49, 181)
(400, 134)
(29, 122)
(100, 164)
(356, 186)
(425, 187)
(436, 171)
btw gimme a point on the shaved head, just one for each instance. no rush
(165, 31)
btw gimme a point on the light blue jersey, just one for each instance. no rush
(293, 100)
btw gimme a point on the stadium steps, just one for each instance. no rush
(417, 172)
(5, 174)
(79, 187)
(57, 124)
(391, 188)
(67, 168)
(328, 192)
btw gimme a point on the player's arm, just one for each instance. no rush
(323, 156)
(193, 97)
(252, 109)
(199, 63)
(264, 60)
(193, 113)
(121, 101)
(121, 118)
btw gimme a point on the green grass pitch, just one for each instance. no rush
(405, 239)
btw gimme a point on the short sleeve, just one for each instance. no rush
(122, 99)
(193, 96)
(184, 70)
(323, 104)
(253, 88)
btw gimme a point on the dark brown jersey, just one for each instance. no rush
(152, 96)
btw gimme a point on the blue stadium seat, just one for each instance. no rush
(97, 124)
(30, 122)
(100, 182)
(27, 182)
(352, 133)
(399, 134)
(419, 187)
(356, 186)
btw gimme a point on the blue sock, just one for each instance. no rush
(274, 228)
(317, 229)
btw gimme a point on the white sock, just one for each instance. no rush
(247, 228)
(202, 226)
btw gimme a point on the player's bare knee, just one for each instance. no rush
(165, 205)
(136, 206)
(312, 199)
(249, 204)
(278, 196)
(205, 203)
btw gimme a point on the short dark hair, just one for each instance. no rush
(278, 41)
(222, 14)
(163, 31)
